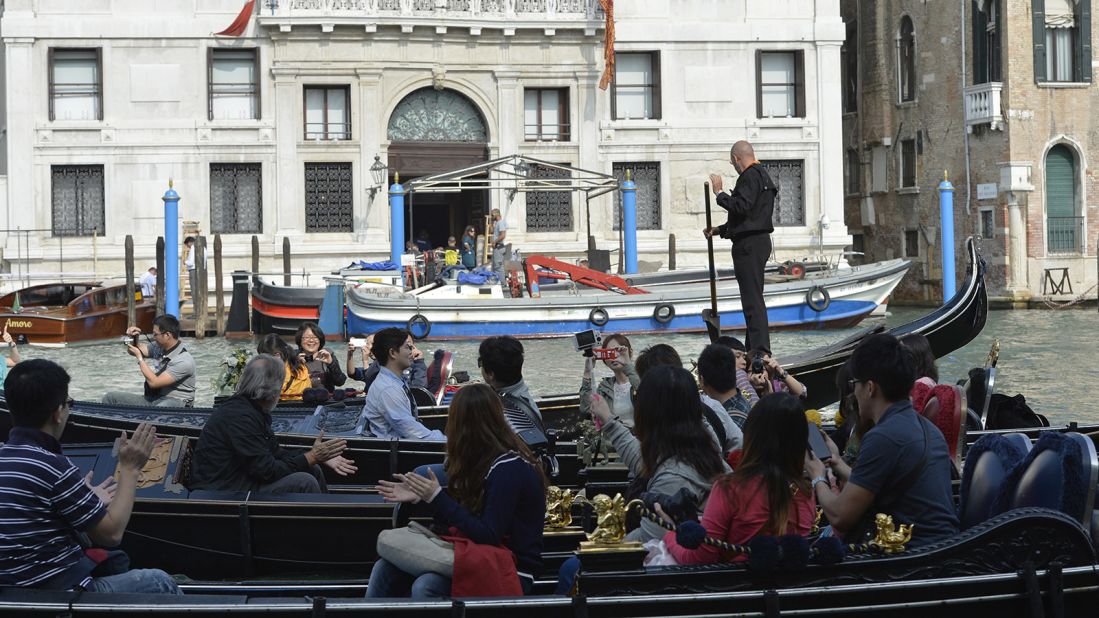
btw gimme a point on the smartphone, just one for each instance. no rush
(817, 443)
(605, 354)
(356, 342)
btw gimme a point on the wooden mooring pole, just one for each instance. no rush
(671, 251)
(131, 311)
(160, 275)
(219, 287)
(286, 261)
(198, 297)
(255, 254)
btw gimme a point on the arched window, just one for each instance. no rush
(906, 60)
(1063, 225)
(430, 115)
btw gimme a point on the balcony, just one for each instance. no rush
(982, 105)
(475, 15)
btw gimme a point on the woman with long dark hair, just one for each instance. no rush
(469, 248)
(671, 448)
(617, 389)
(324, 369)
(920, 348)
(297, 374)
(767, 493)
(496, 493)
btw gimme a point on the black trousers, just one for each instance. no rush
(750, 256)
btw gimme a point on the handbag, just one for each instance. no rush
(416, 550)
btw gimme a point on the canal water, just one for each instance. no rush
(1049, 356)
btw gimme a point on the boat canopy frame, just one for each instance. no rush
(513, 174)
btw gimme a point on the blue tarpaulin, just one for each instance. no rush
(386, 265)
(477, 278)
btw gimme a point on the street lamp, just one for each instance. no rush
(379, 174)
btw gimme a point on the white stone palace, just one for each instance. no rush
(273, 133)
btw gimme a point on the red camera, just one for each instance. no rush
(608, 354)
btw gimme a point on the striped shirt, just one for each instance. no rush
(43, 503)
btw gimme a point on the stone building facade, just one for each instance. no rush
(997, 93)
(274, 133)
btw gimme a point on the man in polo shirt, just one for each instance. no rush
(390, 411)
(903, 466)
(170, 380)
(45, 501)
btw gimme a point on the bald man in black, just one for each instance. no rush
(750, 207)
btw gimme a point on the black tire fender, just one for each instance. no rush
(664, 313)
(816, 304)
(599, 317)
(421, 319)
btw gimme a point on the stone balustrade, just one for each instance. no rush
(499, 13)
(982, 105)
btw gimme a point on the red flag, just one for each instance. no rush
(608, 44)
(241, 22)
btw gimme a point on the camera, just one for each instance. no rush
(586, 340)
(308, 358)
(757, 365)
(607, 354)
(356, 342)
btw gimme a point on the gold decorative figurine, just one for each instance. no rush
(558, 507)
(890, 539)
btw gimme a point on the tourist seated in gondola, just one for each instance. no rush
(495, 496)
(415, 375)
(672, 448)
(390, 410)
(297, 374)
(725, 433)
(850, 426)
(47, 502)
(324, 369)
(903, 466)
(501, 363)
(169, 382)
(13, 353)
(617, 389)
(238, 451)
(767, 376)
(927, 372)
(717, 375)
(767, 493)
(741, 353)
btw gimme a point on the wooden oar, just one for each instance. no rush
(710, 315)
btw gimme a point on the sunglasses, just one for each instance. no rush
(852, 382)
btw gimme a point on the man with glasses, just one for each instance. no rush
(47, 501)
(170, 379)
(903, 466)
(390, 410)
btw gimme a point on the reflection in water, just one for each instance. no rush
(1049, 356)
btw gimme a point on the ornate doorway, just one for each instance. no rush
(433, 131)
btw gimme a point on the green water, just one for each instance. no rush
(1049, 356)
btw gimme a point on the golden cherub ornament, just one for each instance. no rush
(890, 539)
(558, 507)
(610, 521)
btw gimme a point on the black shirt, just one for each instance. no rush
(750, 205)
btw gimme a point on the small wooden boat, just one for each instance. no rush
(55, 314)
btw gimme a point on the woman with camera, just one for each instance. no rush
(297, 375)
(767, 376)
(672, 448)
(324, 369)
(495, 495)
(767, 493)
(618, 389)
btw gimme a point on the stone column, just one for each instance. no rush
(1017, 284)
(830, 148)
(289, 172)
(27, 206)
(508, 134)
(371, 215)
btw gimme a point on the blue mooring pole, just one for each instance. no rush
(396, 219)
(946, 216)
(171, 251)
(629, 222)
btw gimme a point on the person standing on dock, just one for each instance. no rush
(170, 383)
(47, 500)
(750, 207)
(497, 234)
(148, 283)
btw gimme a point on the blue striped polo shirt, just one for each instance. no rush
(43, 503)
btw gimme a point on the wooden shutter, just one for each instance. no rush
(258, 77)
(101, 85)
(614, 89)
(564, 127)
(996, 60)
(1038, 32)
(210, 83)
(1060, 183)
(50, 93)
(655, 63)
(1083, 41)
(799, 84)
(759, 84)
(980, 49)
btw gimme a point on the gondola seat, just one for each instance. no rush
(946, 409)
(403, 512)
(1060, 473)
(987, 465)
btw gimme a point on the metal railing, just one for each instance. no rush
(538, 10)
(1064, 234)
(323, 131)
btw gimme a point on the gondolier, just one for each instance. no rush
(750, 207)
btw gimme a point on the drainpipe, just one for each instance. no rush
(965, 135)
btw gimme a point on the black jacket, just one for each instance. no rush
(750, 206)
(237, 450)
(331, 374)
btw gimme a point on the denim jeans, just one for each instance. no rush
(133, 399)
(137, 580)
(387, 582)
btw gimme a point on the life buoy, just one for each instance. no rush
(599, 317)
(422, 320)
(797, 269)
(664, 313)
(814, 303)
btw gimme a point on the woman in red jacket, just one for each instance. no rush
(767, 492)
